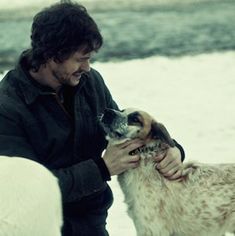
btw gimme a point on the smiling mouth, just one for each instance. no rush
(77, 75)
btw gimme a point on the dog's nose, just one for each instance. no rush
(108, 116)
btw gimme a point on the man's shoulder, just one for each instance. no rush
(5, 84)
(95, 75)
(9, 98)
(9, 82)
(93, 79)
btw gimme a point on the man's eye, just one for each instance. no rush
(81, 60)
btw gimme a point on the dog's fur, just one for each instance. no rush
(30, 199)
(201, 204)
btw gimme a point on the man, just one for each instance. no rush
(49, 106)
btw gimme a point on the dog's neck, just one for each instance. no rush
(146, 148)
(150, 149)
(155, 146)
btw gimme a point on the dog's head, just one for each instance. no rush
(131, 124)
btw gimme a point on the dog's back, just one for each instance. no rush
(202, 204)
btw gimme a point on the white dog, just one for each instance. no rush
(30, 200)
(201, 204)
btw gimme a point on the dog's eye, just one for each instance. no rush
(135, 119)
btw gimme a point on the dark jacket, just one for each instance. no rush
(68, 140)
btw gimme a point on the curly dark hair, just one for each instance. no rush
(60, 30)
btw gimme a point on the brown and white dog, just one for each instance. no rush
(201, 204)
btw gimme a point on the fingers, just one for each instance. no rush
(131, 161)
(175, 176)
(132, 146)
(126, 147)
(118, 159)
(164, 161)
(133, 158)
(167, 166)
(132, 165)
(128, 162)
(160, 157)
(126, 143)
(171, 172)
(130, 142)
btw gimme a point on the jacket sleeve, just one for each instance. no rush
(80, 180)
(77, 181)
(181, 150)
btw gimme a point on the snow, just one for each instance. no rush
(193, 96)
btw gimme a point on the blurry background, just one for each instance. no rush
(133, 28)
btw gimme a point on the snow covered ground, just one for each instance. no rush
(194, 96)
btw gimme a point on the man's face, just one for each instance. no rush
(69, 71)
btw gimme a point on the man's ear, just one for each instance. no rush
(159, 131)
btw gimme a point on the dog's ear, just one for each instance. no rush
(159, 131)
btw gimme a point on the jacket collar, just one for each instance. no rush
(29, 88)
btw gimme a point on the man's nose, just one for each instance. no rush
(86, 66)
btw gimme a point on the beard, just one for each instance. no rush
(67, 79)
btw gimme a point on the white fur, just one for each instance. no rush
(203, 204)
(30, 199)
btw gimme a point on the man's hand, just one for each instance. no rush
(169, 163)
(118, 159)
